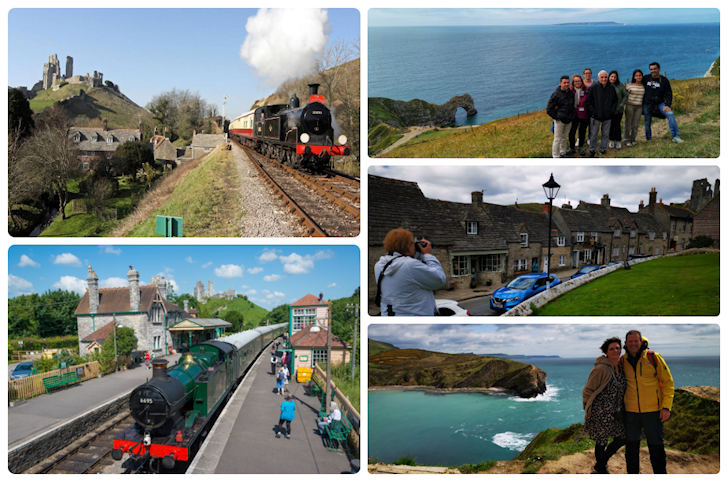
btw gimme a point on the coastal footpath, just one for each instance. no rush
(692, 439)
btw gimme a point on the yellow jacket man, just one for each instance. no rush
(648, 401)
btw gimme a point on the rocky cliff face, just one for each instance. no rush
(417, 112)
(459, 372)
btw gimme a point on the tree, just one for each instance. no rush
(235, 318)
(179, 300)
(21, 316)
(131, 156)
(55, 313)
(126, 342)
(47, 161)
(701, 241)
(279, 314)
(179, 110)
(20, 116)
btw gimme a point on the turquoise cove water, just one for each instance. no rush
(460, 428)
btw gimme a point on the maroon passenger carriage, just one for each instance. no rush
(300, 136)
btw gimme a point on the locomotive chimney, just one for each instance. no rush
(313, 95)
(313, 89)
(159, 368)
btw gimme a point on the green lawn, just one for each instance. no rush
(678, 285)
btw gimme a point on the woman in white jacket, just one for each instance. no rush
(406, 276)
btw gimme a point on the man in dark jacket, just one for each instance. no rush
(658, 102)
(601, 102)
(562, 110)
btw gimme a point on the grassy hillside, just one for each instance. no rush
(696, 104)
(677, 285)
(202, 199)
(694, 427)
(90, 109)
(377, 347)
(217, 308)
(412, 367)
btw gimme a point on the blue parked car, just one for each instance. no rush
(22, 370)
(587, 268)
(521, 288)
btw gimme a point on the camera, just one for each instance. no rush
(419, 245)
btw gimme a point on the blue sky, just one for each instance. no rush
(566, 341)
(381, 17)
(268, 275)
(150, 51)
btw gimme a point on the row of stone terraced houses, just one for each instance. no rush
(494, 242)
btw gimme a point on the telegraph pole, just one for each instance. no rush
(353, 348)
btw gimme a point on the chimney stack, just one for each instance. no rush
(642, 205)
(162, 286)
(134, 294)
(606, 202)
(93, 291)
(477, 198)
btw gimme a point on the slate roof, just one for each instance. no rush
(116, 300)
(206, 322)
(582, 220)
(96, 138)
(310, 300)
(394, 203)
(317, 339)
(676, 211)
(643, 222)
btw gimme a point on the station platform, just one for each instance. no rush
(46, 412)
(243, 439)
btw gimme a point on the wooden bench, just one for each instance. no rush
(337, 433)
(57, 381)
(312, 388)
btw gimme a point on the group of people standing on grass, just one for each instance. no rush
(581, 105)
(624, 395)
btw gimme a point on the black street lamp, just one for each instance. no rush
(551, 189)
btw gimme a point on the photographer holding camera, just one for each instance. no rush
(407, 276)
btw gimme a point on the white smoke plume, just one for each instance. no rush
(284, 43)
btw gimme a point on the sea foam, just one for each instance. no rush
(549, 395)
(512, 440)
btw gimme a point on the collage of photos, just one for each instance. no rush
(558, 162)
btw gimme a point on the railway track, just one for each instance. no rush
(327, 206)
(90, 454)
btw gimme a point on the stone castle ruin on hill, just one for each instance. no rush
(53, 78)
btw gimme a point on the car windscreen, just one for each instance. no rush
(520, 283)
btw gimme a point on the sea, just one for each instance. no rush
(461, 428)
(514, 69)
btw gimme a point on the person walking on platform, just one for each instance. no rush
(285, 380)
(280, 381)
(288, 413)
(273, 362)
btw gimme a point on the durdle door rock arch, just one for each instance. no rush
(417, 112)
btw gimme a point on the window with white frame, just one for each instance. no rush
(524, 240)
(632, 233)
(472, 227)
(303, 317)
(664, 235)
(460, 265)
(109, 140)
(561, 241)
(595, 235)
(521, 264)
(615, 252)
(562, 260)
(319, 355)
(487, 262)
(617, 233)
(652, 235)
(587, 254)
(580, 237)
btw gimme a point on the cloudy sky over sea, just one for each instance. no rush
(566, 341)
(268, 275)
(389, 17)
(626, 185)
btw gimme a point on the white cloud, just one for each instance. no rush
(189, 259)
(18, 286)
(272, 277)
(113, 282)
(67, 259)
(112, 250)
(252, 292)
(26, 261)
(173, 285)
(323, 254)
(267, 256)
(207, 265)
(229, 271)
(331, 285)
(255, 270)
(71, 283)
(294, 263)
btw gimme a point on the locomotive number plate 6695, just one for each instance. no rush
(146, 400)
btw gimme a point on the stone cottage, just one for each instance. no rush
(145, 309)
